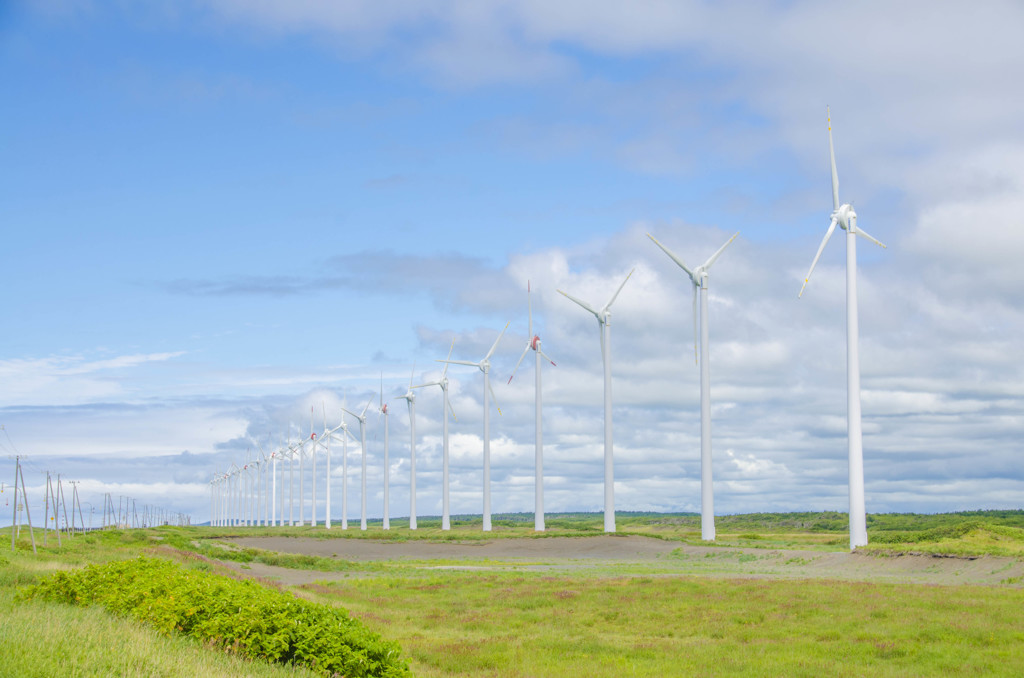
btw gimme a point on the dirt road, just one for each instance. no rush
(653, 557)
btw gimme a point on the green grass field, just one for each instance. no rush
(624, 619)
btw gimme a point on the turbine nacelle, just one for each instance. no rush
(845, 216)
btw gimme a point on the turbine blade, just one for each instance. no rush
(616, 295)
(493, 397)
(496, 341)
(864, 235)
(828, 234)
(412, 374)
(545, 356)
(832, 157)
(430, 383)
(584, 304)
(516, 368)
(529, 310)
(673, 257)
(458, 362)
(368, 403)
(450, 349)
(695, 361)
(714, 257)
(451, 409)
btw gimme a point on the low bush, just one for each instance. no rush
(241, 616)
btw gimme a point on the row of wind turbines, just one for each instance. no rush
(239, 494)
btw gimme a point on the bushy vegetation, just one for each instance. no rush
(248, 618)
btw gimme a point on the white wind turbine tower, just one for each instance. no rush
(345, 435)
(410, 398)
(313, 446)
(446, 408)
(846, 218)
(699, 278)
(300, 449)
(386, 520)
(485, 367)
(604, 317)
(362, 438)
(325, 440)
(534, 342)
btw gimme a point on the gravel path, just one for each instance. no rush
(659, 557)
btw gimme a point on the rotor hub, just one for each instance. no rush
(845, 216)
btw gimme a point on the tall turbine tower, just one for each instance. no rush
(699, 278)
(446, 523)
(345, 435)
(604, 317)
(362, 439)
(386, 520)
(324, 441)
(533, 342)
(847, 220)
(313, 446)
(410, 398)
(485, 367)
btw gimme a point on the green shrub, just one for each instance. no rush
(241, 616)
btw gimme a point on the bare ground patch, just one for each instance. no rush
(652, 556)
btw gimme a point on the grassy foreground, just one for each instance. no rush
(469, 624)
(603, 622)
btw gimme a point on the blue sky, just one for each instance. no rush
(217, 214)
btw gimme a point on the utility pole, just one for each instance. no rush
(20, 475)
(46, 507)
(63, 504)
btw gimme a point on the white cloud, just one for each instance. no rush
(57, 380)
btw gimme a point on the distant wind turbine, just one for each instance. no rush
(846, 218)
(410, 398)
(386, 520)
(699, 278)
(484, 366)
(313, 446)
(324, 441)
(604, 317)
(362, 439)
(446, 408)
(345, 435)
(533, 342)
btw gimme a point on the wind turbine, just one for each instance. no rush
(699, 278)
(328, 435)
(846, 218)
(362, 435)
(325, 440)
(386, 520)
(313, 446)
(533, 342)
(604, 317)
(485, 367)
(410, 398)
(447, 407)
